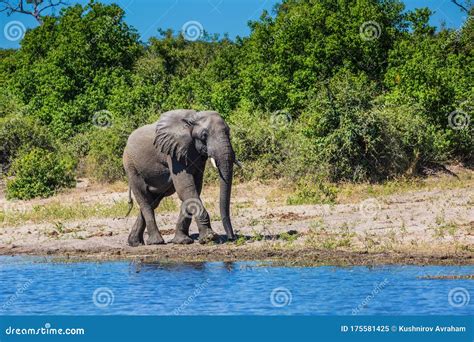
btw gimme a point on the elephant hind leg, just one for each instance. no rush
(135, 238)
(147, 202)
(154, 236)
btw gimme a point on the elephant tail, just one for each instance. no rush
(130, 201)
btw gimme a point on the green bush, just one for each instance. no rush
(417, 142)
(106, 145)
(375, 145)
(39, 173)
(352, 135)
(260, 140)
(9, 104)
(344, 136)
(20, 133)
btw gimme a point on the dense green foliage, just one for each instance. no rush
(322, 90)
(39, 173)
(18, 134)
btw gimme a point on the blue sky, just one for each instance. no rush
(216, 16)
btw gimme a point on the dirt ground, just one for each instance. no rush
(431, 222)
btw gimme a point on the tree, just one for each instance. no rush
(68, 67)
(308, 42)
(35, 8)
(462, 6)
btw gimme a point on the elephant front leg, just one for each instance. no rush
(193, 206)
(188, 188)
(181, 235)
(206, 234)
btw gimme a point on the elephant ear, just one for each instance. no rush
(173, 133)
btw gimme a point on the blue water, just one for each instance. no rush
(32, 286)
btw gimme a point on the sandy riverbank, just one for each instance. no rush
(427, 222)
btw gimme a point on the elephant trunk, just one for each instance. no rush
(225, 165)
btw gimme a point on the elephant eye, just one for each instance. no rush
(204, 135)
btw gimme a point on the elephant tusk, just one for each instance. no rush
(238, 163)
(213, 162)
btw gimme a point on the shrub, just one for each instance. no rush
(9, 103)
(374, 145)
(260, 140)
(416, 141)
(106, 145)
(39, 173)
(20, 133)
(77, 147)
(351, 137)
(360, 149)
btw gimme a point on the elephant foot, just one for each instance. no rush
(208, 236)
(135, 241)
(155, 240)
(182, 239)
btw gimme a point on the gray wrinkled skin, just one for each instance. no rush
(170, 156)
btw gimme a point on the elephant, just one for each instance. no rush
(170, 156)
